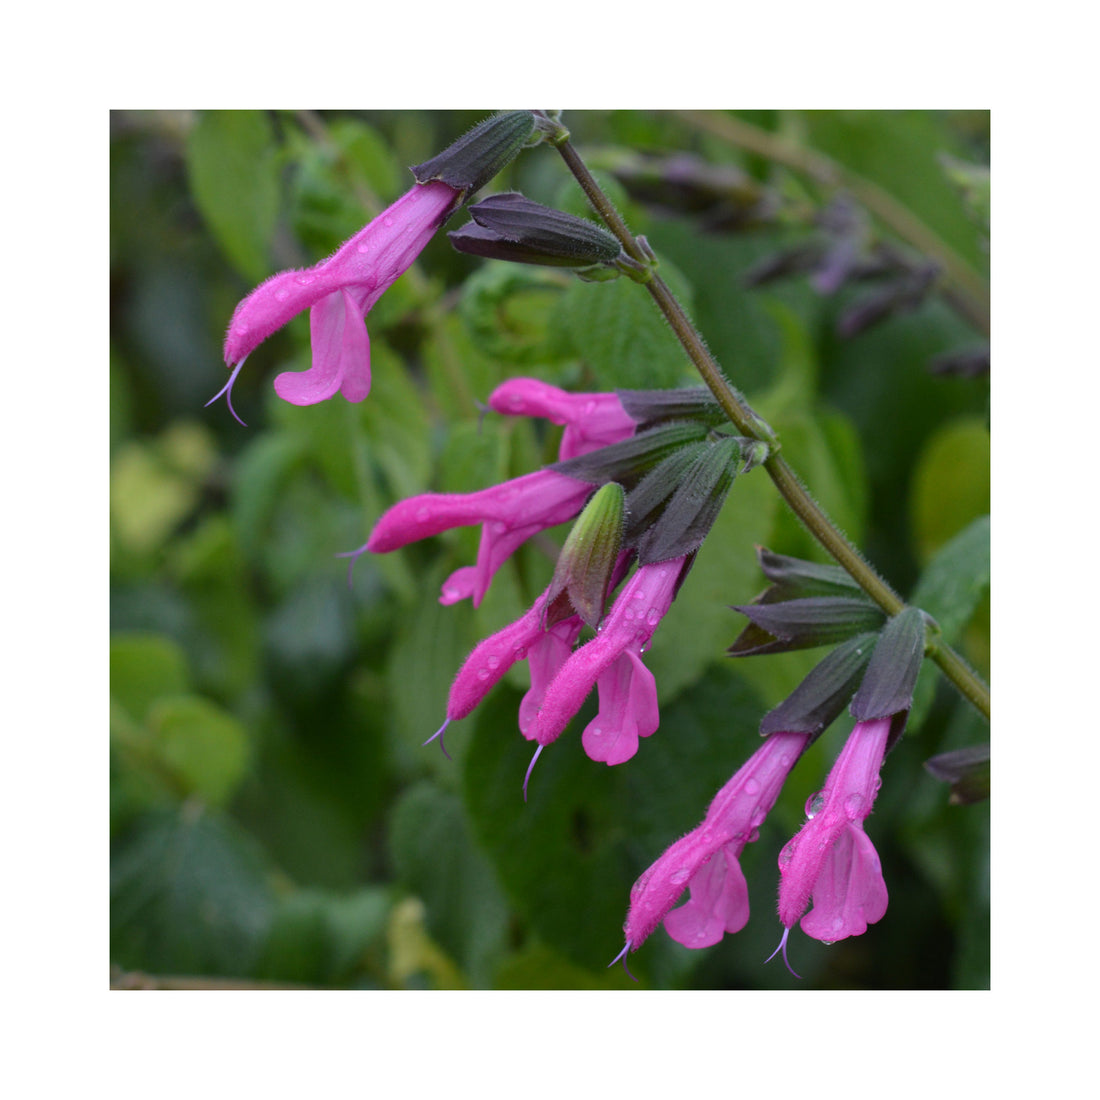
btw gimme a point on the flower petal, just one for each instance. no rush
(341, 355)
(850, 892)
(628, 710)
(719, 902)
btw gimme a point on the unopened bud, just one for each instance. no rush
(511, 227)
(480, 154)
(587, 559)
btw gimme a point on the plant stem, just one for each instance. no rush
(741, 416)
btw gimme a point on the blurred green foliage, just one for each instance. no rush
(274, 817)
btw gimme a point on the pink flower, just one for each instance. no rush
(612, 661)
(545, 651)
(510, 513)
(338, 292)
(831, 859)
(706, 860)
(591, 420)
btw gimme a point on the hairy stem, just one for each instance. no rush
(741, 416)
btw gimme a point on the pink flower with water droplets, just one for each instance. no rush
(707, 860)
(612, 662)
(509, 514)
(338, 292)
(831, 860)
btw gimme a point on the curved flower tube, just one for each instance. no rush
(831, 859)
(338, 292)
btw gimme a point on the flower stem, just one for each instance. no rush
(741, 416)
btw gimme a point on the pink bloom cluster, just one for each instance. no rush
(338, 292)
(706, 860)
(562, 676)
(511, 512)
(831, 860)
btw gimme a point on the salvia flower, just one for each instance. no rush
(707, 860)
(511, 512)
(831, 860)
(339, 292)
(591, 420)
(612, 662)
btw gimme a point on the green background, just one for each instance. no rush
(274, 818)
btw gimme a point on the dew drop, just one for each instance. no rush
(853, 806)
(653, 616)
(827, 943)
(521, 652)
(751, 786)
(304, 280)
(282, 294)
(678, 878)
(388, 219)
(483, 674)
(493, 662)
(423, 515)
(814, 804)
(786, 853)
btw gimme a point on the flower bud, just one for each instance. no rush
(511, 227)
(967, 770)
(587, 560)
(480, 154)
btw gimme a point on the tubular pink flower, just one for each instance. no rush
(706, 860)
(525, 639)
(510, 513)
(612, 660)
(339, 292)
(831, 859)
(591, 420)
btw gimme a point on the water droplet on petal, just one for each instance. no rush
(786, 853)
(423, 515)
(304, 279)
(678, 878)
(493, 662)
(814, 804)
(853, 806)
(752, 786)
(282, 294)
(653, 616)
(483, 674)
(521, 652)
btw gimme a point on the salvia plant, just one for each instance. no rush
(587, 542)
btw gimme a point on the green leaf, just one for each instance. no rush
(617, 330)
(436, 857)
(190, 894)
(955, 580)
(233, 171)
(145, 667)
(320, 938)
(952, 586)
(205, 748)
(951, 483)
